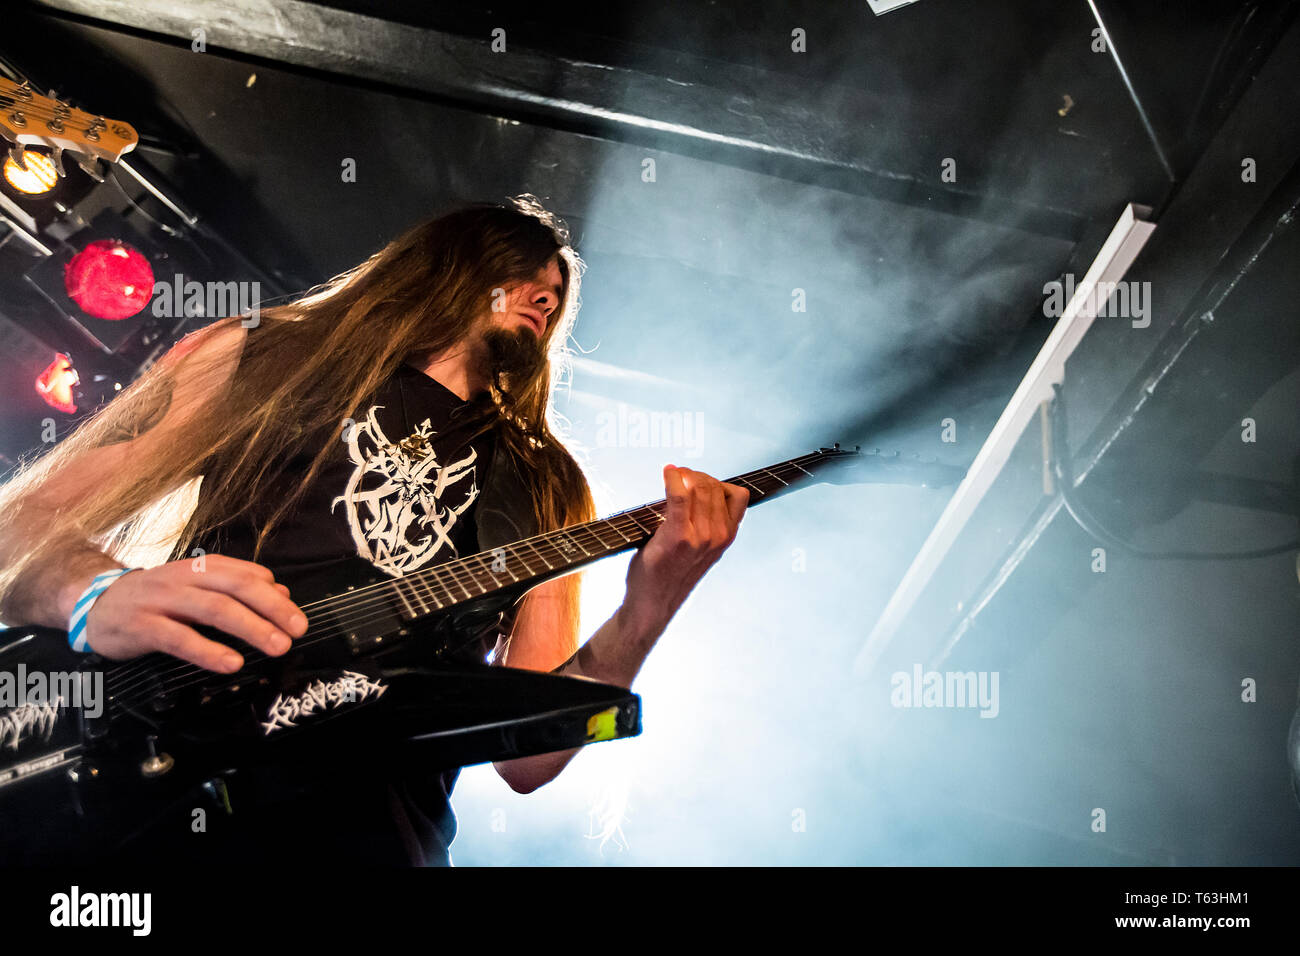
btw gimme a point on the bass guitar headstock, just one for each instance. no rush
(28, 118)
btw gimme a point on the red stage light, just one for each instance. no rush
(55, 384)
(109, 280)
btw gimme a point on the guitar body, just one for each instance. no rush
(129, 740)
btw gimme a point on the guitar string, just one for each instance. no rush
(41, 111)
(640, 534)
(386, 605)
(256, 657)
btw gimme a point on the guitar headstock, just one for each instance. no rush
(28, 118)
(873, 467)
(836, 453)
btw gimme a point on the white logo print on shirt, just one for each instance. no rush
(395, 496)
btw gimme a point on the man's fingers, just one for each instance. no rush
(737, 501)
(215, 609)
(714, 504)
(172, 637)
(227, 563)
(269, 600)
(677, 514)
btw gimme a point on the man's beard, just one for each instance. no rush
(512, 357)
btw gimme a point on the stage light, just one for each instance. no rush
(55, 384)
(109, 280)
(39, 177)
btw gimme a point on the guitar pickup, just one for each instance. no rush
(380, 627)
(364, 643)
(220, 693)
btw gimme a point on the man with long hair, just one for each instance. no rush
(398, 415)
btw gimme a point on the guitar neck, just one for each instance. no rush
(555, 553)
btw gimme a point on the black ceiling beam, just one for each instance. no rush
(746, 119)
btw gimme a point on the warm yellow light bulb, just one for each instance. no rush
(39, 176)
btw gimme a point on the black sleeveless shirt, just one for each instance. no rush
(404, 488)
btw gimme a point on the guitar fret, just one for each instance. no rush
(397, 589)
(537, 551)
(435, 577)
(611, 524)
(749, 484)
(565, 536)
(424, 595)
(501, 556)
(514, 552)
(474, 575)
(639, 525)
(635, 529)
(769, 474)
(415, 593)
(457, 581)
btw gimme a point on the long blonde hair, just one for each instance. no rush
(303, 370)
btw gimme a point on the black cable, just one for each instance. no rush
(1062, 467)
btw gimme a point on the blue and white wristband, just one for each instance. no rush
(77, 622)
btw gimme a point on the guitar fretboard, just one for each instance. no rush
(559, 552)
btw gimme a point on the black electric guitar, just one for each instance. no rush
(381, 669)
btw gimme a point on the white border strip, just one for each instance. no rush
(1118, 252)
